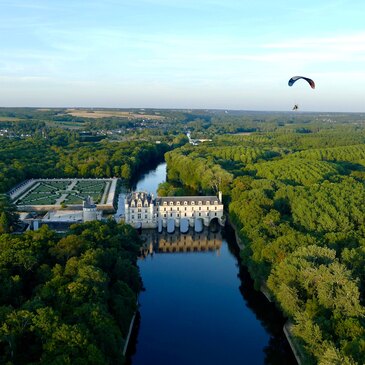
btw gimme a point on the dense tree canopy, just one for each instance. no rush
(297, 202)
(70, 299)
(42, 158)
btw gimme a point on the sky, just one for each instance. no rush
(204, 54)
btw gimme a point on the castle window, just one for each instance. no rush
(215, 208)
(200, 208)
(208, 202)
(192, 203)
(177, 203)
(164, 203)
(145, 217)
(199, 202)
(139, 216)
(185, 203)
(215, 214)
(132, 216)
(170, 214)
(164, 215)
(171, 208)
(171, 203)
(185, 214)
(200, 214)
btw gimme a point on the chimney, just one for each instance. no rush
(220, 196)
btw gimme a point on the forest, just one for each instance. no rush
(61, 155)
(297, 202)
(68, 299)
(294, 187)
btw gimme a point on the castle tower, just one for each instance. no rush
(89, 211)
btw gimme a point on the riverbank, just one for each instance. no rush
(191, 300)
(131, 325)
(299, 356)
(287, 329)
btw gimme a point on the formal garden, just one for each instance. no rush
(64, 192)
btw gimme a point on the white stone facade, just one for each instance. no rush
(140, 210)
(143, 211)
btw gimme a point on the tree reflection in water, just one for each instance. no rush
(275, 350)
(278, 350)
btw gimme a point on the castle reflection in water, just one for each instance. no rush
(164, 242)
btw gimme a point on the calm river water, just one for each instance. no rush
(198, 306)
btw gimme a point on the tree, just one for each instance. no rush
(4, 223)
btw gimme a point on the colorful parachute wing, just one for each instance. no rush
(295, 78)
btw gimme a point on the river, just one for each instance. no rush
(199, 305)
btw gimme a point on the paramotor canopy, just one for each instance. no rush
(295, 78)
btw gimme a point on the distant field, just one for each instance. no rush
(68, 125)
(9, 119)
(112, 113)
(242, 133)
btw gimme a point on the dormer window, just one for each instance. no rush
(164, 203)
(208, 202)
(177, 203)
(193, 203)
(185, 203)
(171, 203)
(200, 202)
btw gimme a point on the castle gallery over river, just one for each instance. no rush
(142, 210)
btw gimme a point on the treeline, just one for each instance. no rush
(300, 215)
(68, 299)
(62, 156)
(242, 154)
(295, 171)
(354, 153)
(196, 172)
(292, 141)
(201, 123)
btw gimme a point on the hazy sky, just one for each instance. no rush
(227, 54)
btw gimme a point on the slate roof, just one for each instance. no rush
(139, 195)
(188, 199)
